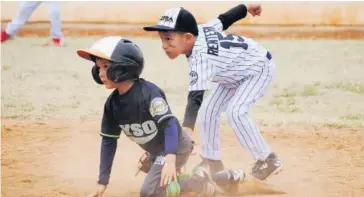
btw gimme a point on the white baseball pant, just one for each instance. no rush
(25, 11)
(237, 103)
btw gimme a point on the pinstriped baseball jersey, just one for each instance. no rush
(222, 58)
(241, 69)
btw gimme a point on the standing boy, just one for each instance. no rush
(242, 70)
(25, 11)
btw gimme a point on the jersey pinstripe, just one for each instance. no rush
(223, 58)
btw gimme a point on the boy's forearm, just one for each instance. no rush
(108, 149)
(171, 136)
(193, 105)
(234, 14)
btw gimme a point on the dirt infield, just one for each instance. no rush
(53, 159)
(312, 116)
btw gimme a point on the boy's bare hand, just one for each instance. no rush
(188, 130)
(169, 170)
(99, 191)
(254, 9)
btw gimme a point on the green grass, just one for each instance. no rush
(290, 109)
(9, 106)
(309, 90)
(76, 104)
(286, 105)
(5, 68)
(353, 117)
(17, 117)
(276, 101)
(349, 86)
(316, 83)
(288, 93)
(50, 108)
(28, 107)
(336, 125)
(75, 76)
(291, 101)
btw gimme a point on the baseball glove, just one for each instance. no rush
(145, 163)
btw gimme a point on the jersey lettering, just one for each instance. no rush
(231, 40)
(139, 130)
(126, 129)
(212, 40)
(223, 58)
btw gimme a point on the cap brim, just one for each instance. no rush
(158, 28)
(85, 53)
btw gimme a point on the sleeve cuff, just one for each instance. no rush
(108, 135)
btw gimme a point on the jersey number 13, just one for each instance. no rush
(232, 40)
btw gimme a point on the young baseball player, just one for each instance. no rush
(25, 11)
(139, 108)
(240, 68)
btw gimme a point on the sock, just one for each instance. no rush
(190, 183)
(225, 179)
(236, 175)
(221, 178)
(184, 176)
(173, 189)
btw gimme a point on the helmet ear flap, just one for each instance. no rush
(95, 71)
(115, 73)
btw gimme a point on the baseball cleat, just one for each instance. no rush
(237, 177)
(4, 36)
(55, 42)
(263, 169)
(209, 189)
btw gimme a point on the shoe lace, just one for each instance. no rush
(257, 165)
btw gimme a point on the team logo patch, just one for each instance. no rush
(166, 19)
(158, 106)
(160, 160)
(193, 77)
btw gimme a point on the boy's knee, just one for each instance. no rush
(208, 114)
(203, 111)
(146, 192)
(235, 112)
(230, 113)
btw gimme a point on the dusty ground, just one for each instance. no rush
(312, 116)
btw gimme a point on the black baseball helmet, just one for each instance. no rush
(127, 61)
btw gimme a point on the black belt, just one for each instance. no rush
(269, 56)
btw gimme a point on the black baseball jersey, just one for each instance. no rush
(140, 114)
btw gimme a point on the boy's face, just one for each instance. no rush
(173, 43)
(103, 66)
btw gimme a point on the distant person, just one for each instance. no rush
(25, 11)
